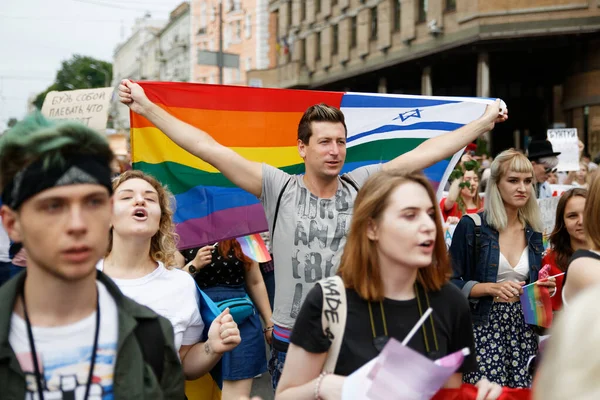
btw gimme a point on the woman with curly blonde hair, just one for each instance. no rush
(139, 259)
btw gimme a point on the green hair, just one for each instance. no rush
(37, 138)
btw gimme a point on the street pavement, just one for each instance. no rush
(262, 387)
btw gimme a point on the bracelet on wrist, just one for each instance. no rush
(318, 385)
(267, 329)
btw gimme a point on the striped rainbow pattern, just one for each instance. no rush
(261, 124)
(254, 247)
(536, 305)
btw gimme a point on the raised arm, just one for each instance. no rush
(452, 194)
(242, 172)
(444, 146)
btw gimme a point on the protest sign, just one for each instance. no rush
(548, 211)
(448, 232)
(558, 190)
(87, 106)
(566, 142)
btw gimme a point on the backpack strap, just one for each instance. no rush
(277, 208)
(346, 178)
(151, 340)
(477, 220)
(333, 317)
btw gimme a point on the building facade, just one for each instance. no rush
(244, 25)
(137, 58)
(541, 56)
(174, 43)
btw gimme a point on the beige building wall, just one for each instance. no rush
(137, 58)
(373, 34)
(245, 33)
(175, 49)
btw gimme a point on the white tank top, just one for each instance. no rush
(517, 274)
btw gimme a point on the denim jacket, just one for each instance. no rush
(466, 271)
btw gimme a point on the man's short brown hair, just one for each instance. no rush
(319, 113)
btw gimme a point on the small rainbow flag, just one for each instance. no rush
(262, 125)
(536, 305)
(254, 247)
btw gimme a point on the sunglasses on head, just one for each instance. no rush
(550, 170)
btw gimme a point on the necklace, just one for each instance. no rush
(379, 341)
(38, 375)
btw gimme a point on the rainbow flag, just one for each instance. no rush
(261, 124)
(254, 247)
(536, 305)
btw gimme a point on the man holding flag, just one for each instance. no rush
(308, 215)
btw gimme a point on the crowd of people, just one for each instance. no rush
(112, 305)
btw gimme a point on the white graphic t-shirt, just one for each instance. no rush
(309, 236)
(64, 354)
(171, 293)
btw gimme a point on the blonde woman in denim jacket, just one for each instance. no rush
(510, 254)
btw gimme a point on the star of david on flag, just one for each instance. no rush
(416, 113)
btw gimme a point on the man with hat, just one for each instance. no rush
(544, 160)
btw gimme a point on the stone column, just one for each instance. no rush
(483, 85)
(483, 75)
(382, 87)
(426, 89)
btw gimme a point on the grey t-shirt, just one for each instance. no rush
(309, 236)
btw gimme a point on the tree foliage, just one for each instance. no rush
(80, 72)
(12, 122)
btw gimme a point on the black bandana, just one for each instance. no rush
(33, 179)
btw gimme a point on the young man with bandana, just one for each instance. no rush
(66, 331)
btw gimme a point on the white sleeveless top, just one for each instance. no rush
(517, 274)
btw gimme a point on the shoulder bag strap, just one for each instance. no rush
(277, 208)
(350, 181)
(333, 317)
(151, 340)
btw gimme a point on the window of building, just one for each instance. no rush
(318, 46)
(334, 2)
(396, 15)
(302, 51)
(227, 36)
(317, 6)
(334, 39)
(237, 5)
(302, 10)
(203, 14)
(373, 23)
(237, 30)
(248, 26)
(422, 11)
(289, 13)
(450, 5)
(353, 29)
